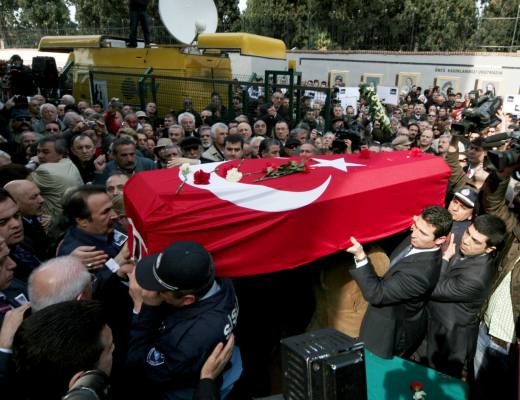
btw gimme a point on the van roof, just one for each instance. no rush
(244, 43)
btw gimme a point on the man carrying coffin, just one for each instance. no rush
(395, 321)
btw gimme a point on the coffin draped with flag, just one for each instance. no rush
(257, 226)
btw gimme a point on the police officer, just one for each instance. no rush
(181, 312)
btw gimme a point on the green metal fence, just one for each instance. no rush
(169, 92)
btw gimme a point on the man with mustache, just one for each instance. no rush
(91, 223)
(20, 122)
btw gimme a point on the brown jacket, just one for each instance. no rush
(494, 190)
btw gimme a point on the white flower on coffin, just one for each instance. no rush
(420, 395)
(233, 175)
(185, 169)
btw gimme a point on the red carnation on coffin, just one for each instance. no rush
(223, 170)
(269, 168)
(201, 178)
(416, 386)
(416, 152)
(365, 153)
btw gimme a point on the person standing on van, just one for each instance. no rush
(138, 15)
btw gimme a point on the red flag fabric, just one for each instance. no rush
(253, 227)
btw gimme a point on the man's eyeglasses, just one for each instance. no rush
(26, 119)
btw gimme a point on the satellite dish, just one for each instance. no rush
(185, 19)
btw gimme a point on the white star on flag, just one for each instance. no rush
(338, 163)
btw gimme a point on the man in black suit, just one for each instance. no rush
(395, 321)
(464, 285)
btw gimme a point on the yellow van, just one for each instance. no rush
(100, 67)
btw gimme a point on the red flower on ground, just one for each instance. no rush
(201, 178)
(365, 153)
(416, 386)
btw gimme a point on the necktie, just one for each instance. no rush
(400, 256)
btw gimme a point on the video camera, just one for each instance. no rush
(339, 146)
(480, 116)
(91, 385)
(499, 160)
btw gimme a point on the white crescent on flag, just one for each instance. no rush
(254, 197)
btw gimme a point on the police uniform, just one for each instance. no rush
(170, 344)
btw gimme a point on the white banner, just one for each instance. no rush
(512, 104)
(348, 96)
(388, 95)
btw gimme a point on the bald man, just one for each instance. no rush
(57, 280)
(244, 130)
(67, 99)
(30, 203)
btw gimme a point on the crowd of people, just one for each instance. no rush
(72, 299)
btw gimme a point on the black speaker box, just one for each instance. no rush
(323, 365)
(45, 73)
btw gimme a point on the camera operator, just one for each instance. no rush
(474, 174)
(495, 358)
(19, 78)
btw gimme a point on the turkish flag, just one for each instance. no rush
(253, 227)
